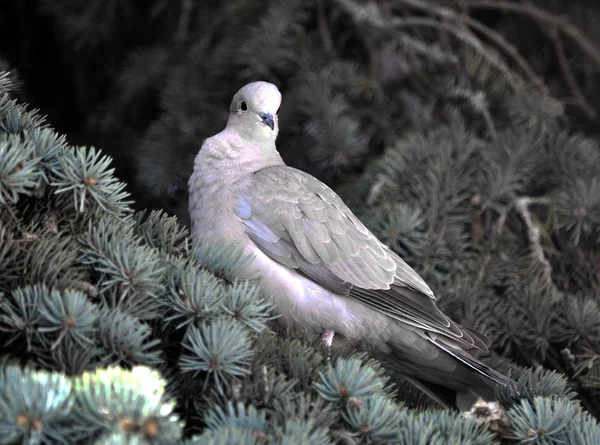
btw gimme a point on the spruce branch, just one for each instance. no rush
(348, 378)
(20, 314)
(126, 340)
(88, 175)
(432, 426)
(16, 119)
(376, 419)
(18, 169)
(68, 314)
(279, 24)
(162, 232)
(47, 148)
(307, 408)
(537, 382)
(34, 406)
(10, 263)
(5, 82)
(228, 435)
(51, 260)
(222, 349)
(114, 400)
(131, 273)
(239, 416)
(193, 296)
(578, 209)
(578, 323)
(71, 357)
(226, 262)
(544, 419)
(243, 302)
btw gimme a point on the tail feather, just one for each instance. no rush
(450, 375)
(447, 397)
(471, 362)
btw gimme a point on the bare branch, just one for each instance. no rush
(521, 205)
(570, 78)
(371, 15)
(561, 23)
(494, 36)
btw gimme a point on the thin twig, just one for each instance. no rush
(429, 51)
(570, 79)
(466, 38)
(184, 20)
(561, 23)
(370, 14)
(478, 102)
(324, 28)
(496, 37)
(509, 49)
(88, 288)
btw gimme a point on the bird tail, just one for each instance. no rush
(448, 373)
(448, 398)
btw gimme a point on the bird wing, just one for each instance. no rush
(301, 223)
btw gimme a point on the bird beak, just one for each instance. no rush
(267, 119)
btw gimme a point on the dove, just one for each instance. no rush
(322, 269)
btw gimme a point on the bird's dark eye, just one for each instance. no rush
(243, 106)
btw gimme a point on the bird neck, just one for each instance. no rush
(237, 158)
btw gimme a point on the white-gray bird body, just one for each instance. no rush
(320, 266)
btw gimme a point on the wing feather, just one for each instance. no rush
(301, 223)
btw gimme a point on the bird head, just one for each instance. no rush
(253, 111)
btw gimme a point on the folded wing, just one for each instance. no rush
(301, 223)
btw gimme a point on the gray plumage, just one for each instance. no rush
(321, 267)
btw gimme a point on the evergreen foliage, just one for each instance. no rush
(437, 121)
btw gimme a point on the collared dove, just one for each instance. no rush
(320, 266)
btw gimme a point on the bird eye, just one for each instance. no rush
(243, 106)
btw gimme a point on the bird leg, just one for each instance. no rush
(327, 338)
